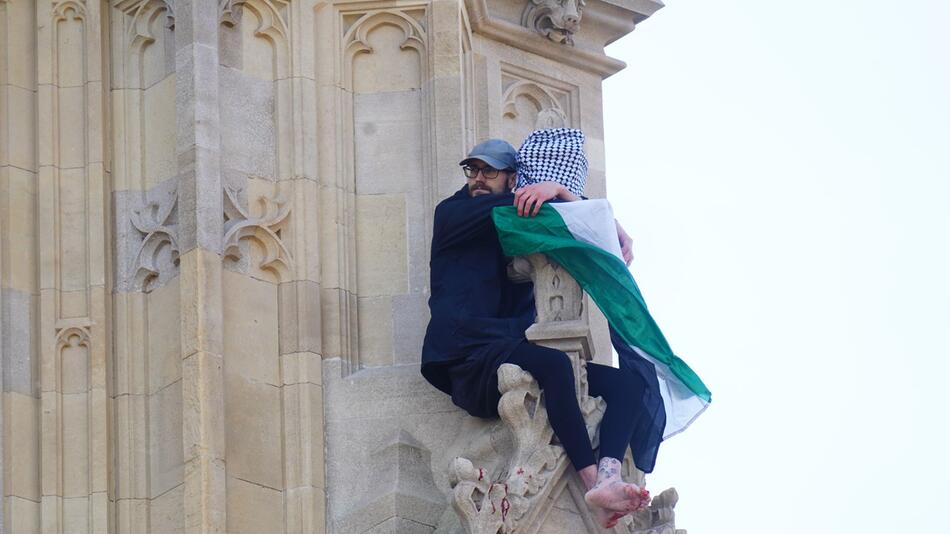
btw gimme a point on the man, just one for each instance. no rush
(479, 318)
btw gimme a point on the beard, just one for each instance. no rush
(478, 191)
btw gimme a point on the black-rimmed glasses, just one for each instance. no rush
(488, 172)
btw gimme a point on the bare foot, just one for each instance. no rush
(617, 496)
(611, 498)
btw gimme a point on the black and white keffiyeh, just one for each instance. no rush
(554, 155)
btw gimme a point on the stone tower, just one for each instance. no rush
(214, 227)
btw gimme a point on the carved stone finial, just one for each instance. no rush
(554, 19)
(658, 518)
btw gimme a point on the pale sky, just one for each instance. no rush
(784, 170)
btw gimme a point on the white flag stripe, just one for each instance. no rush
(681, 405)
(592, 222)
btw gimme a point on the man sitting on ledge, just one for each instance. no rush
(479, 318)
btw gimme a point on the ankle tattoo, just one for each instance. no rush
(608, 468)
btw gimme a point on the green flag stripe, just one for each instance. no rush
(602, 275)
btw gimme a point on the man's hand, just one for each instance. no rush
(530, 197)
(626, 243)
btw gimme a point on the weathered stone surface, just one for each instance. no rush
(376, 331)
(253, 432)
(299, 303)
(250, 329)
(381, 245)
(159, 135)
(401, 490)
(387, 133)
(21, 446)
(253, 509)
(410, 318)
(165, 447)
(248, 117)
(164, 337)
(165, 511)
(17, 313)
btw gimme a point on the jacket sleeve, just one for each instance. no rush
(460, 219)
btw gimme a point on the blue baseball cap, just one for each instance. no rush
(495, 152)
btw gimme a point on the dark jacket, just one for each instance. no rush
(478, 316)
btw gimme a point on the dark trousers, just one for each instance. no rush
(618, 387)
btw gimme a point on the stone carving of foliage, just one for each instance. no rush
(263, 230)
(558, 20)
(550, 112)
(156, 260)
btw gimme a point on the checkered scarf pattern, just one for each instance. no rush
(554, 155)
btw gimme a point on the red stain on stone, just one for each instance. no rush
(520, 471)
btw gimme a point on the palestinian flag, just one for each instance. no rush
(582, 237)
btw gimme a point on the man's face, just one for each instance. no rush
(480, 184)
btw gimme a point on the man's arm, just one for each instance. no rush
(462, 219)
(626, 243)
(529, 198)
